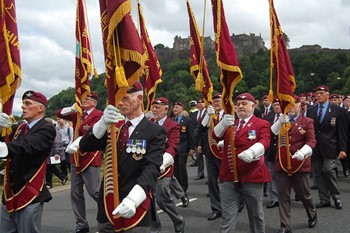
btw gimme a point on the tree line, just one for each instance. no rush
(310, 69)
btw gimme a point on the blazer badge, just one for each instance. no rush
(251, 135)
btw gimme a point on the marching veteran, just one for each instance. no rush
(140, 148)
(302, 140)
(85, 167)
(251, 140)
(25, 191)
(160, 107)
(331, 136)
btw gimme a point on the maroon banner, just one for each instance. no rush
(198, 64)
(152, 72)
(82, 55)
(281, 64)
(230, 73)
(123, 49)
(10, 62)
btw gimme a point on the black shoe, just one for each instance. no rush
(284, 230)
(338, 204)
(64, 181)
(185, 200)
(272, 204)
(214, 216)
(82, 230)
(266, 192)
(323, 204)
(241, 206)
(314, 187)
(180, 228)
(312, 221)
(296, 198)
(199, 178)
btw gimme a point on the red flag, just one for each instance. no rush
(10, 62)
(281, 65)
(198, 64)
(230, 73)
(153, 72)
(123, 49)
(82, 55)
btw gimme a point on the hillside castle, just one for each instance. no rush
(246, 45)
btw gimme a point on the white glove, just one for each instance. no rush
(298, 155)
(221, 127)
(3, 150)
(5, 121)
(253, 153)
(221, 144)
(167, 161)
(207, 117)
(276, 127)
(127, 208)
(74, 146)
(67, 110)
(305, 151)
(283, 119)
(210, 110)
(247, 156)
(110, 115)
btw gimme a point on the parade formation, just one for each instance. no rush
(132, 156)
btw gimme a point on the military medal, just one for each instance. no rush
(144, 144)
(128, 146)
(138, 146)
(133, 146)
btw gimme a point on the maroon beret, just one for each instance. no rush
(36, 96)
(245, 96)
(322, 88)
(217, 96)
(301, 95)
(180, 104)
(296, 99)
(93, 95)
(276, 100)
(264, 97)
(201, 101)
(310, 93)
(334, 96)
(161, 100)
(137, 86)
(346, 97)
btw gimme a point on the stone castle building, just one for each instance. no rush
(245, 45)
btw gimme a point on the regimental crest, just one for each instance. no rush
(333, 121)
(251, 135)
(29, 94)
(301, 130)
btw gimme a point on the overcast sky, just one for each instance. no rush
(47, 31)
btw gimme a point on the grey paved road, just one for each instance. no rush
(58, 216)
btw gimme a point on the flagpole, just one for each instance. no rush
(202, 40)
